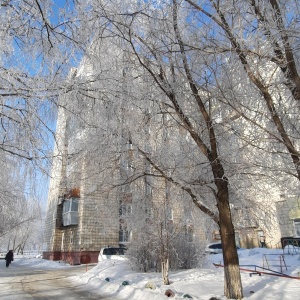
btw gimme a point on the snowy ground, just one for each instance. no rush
(107, 278)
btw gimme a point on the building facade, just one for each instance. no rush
(102, 192)
(288, 210)
(89, 208)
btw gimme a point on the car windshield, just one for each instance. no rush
(216, 246)
(114, 251)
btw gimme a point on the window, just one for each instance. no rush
(70, 212)
(148, 187)
(71, 237)
(124, 164)
(297, 227)
(125, 210)
(169, 213)
(189, 234)
(62, 240)
(129, 145)
(124, 235)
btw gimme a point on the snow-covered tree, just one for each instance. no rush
(187, 52)
(37, 44)
(201, 94)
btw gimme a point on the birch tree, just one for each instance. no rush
(13, 205)
(38, 42)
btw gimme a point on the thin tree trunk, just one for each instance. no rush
(164, 255)
(165, 271)
(14, 243)
(8, 245)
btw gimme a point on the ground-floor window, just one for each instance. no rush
(297, 227)
(124, 234)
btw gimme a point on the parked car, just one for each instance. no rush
(215, 248)
(112, 253)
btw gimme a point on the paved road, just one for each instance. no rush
(22, 282)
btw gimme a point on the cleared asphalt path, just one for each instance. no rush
(22, 282)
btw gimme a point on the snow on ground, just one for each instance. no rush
(109, 276)
(32, 261)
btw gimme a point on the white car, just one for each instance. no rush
(215, 248)
(112, 253)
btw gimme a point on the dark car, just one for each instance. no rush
(215, 248)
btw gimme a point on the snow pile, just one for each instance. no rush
(108, 277)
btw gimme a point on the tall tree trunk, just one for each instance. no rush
(232, 278)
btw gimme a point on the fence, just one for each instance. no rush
(290, 245)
